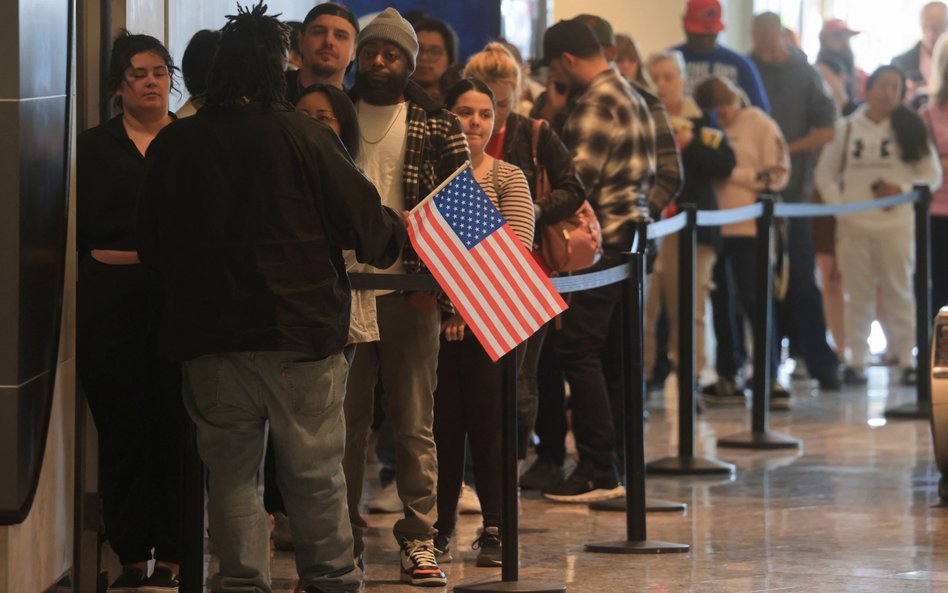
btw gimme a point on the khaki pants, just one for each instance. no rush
(663, 290)
(406, 361)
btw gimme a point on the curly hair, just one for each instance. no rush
(248, 67)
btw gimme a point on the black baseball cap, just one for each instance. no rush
(571, 36)
(332, 9)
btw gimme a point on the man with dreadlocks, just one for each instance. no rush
(410, 144)
(244, 212)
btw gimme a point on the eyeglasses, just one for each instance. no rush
(324, 116)
(432, 51)
(389, 56)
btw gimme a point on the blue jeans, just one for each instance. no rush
(231, 397)
(802, 310)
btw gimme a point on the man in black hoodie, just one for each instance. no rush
(244, 212)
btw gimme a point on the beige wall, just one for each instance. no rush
(656, 24)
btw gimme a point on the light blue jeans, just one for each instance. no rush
(231, 397)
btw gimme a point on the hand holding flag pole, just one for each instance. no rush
(480, 264)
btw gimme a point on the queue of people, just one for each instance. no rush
(215, 244)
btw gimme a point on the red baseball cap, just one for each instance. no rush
(837, 26)
(703, 17)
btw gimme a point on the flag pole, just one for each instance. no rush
(444, 184)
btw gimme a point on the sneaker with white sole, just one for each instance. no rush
(442, 544)
(488, 548)
(162, 580)
(419, 566)
(386, 501)
(584, 487)
(468, 503)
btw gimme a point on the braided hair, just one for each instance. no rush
(248, 67)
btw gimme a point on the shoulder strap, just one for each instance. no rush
(535, 141)
(495, 169)
(843, 161)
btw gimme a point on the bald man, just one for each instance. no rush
(917, 62)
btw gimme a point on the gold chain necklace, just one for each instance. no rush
(391, 124)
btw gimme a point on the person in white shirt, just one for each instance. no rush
(881, 150)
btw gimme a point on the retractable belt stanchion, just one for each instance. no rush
(922, 406)
(759, 436)
(685, 463)
(510, 524)
(633, 318)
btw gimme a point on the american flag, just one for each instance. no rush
(481, 265)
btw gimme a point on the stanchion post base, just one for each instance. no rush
(646, 547)
(652, 505)
(912, 411)
(760, 440)
(689, 466)
(512, 587)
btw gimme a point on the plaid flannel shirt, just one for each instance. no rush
(612, 138)
(434, 148)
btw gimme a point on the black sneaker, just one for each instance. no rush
(830, 382)
(854, 376)
(419, 566)
(724, 392)
(542, 474)
(488, 547)
(162, 580)
(442, 545)
(128, 582)
(779, 397)
(909, 376)
(581, 487)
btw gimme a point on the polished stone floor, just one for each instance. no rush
(854, 510)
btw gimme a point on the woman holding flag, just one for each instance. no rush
(468, 399)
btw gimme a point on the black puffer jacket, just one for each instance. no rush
(244, 213)
(706, 159)
(568, 193)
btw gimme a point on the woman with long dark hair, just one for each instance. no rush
(467, 399)
(881, 150)
(134, 395)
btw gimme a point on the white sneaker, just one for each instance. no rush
(386, 501)
(468, 503)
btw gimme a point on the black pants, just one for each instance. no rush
(939, 243)
(550, 426)
(580, 349)
(528, 389)
(467, 402)
(135, 399)
(801, 313)
(740, 257)
(730, 354)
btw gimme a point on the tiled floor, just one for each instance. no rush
(853, 511)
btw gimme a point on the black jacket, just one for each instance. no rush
(703, 164)
(908, 62)
(244, 213)
(567, 193)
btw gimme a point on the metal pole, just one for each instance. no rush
(510, 522)
(921, 408)
(760, 437)
(633, 417)
(510, 556)
(686, 464)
